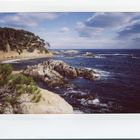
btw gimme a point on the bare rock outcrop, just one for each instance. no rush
(50, 103)
(55, 72)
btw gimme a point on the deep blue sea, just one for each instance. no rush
(116, 90)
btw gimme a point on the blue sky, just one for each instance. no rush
(81, 30)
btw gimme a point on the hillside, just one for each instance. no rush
(16, 43)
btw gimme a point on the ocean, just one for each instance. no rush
(117, 88)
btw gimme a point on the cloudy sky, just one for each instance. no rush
(80, 30)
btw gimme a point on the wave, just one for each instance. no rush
(71, 91)
(85, 99)
(95, 102)
(90, 102)
(116, 54)
(99, 57)
(103, 56)
(134, 57)
(100, 74)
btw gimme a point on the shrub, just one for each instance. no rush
(46, 51)
(18, 84)
(5, 73)
(20, 79)
(36, 98)
(23, 84)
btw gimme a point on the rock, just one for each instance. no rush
(71, 52)
(65, 52)
(53, 78)
(8, 109)
(89, 75)
(55, 72)
(50, 103)
(88, 54)
(56, 52)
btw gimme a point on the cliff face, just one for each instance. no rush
(15, 42)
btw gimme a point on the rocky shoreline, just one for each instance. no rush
(20, 94)
(57, 73)
(54, 73)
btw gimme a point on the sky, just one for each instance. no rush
(80, 30)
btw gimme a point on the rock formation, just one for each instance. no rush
(55, 72)
(49, 103)
(88, 54)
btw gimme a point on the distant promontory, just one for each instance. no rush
(16, 43)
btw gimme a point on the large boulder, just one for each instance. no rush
(50, 103)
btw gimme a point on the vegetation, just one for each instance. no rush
(5, 73)
(18, 40)
(13, 85)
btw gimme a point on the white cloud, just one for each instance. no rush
(28, 19)
(104, 29)
(97, 31)
(71, 41)
(85, 31)
(64, 29)
(108, 19)
(101, 23)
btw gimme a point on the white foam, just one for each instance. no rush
(75, 91)
(99, 56)
(103, 105)
(94, 102)
(78, 112)
(133, 57)
(116, 54)
(100, 73)
(90, 102)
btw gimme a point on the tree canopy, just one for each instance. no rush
(18, 40)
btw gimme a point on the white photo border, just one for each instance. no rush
(72, 125)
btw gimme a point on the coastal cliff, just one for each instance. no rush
(16, 43)
(20, 94)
